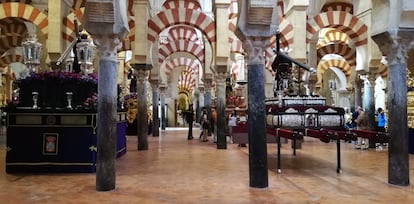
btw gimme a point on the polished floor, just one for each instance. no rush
(175, 170)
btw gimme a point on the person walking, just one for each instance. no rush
(382, 121)
(189, 117)
(205, 125)
(362, 124)
(232, 122)
(214, 124)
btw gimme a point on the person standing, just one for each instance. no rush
(214, 124)
(189, 117)
(205, 125)
(232, 122)
(362, 124)
(382, 120)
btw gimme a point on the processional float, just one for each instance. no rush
(292, 114)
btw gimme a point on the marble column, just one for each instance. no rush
(107, 110)
(369, 102)
(395, 46)
(258, 171)
(155, 119)
(142, 73)
(207, 93)
(220, 78)
(357, 92)
(200, 102)
(207, 99)
(163, 88)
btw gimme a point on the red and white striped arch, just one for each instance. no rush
(340, 20)
(182, 61)
(236, 46)
(286, 39)
(69, 35)
(182, 32)
(26, 12)
(13, 33)
(343, 50)
(338, 6)
(183, 16)
(280, 8)
(5, 60)
(334, 36)
(181, 46)
(68, 32)
(186, 82)
(190, 4)
(233, 9)
(339, 63)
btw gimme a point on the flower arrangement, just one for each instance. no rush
(52, 87)
(91, 102)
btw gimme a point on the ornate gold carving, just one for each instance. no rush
(410, 109)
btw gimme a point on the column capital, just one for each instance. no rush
(142, 71)
(154, 84)
(368, 77)
(395, 44)
(255, 47)
(201, 89)
(207, 84)
(163, 88)
(220, 77)
(107, 46)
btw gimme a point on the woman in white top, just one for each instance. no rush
(232, 122)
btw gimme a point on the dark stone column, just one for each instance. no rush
(142, 73)
(369, 101)
(394, 46)
(207, 94)
(155, 119)
(220, 78)
(256, 112)
(107, 108)
(207, 99)
(162, 100)
(357, 92)
(200, 102)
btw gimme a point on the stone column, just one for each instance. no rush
(357, 92)
(395, 46)
(163, 88)
(142, 73)
(107, 109)
(256, 112)
(207, 98)
(220, 78)
(207, 93)
(369, 101)
(107, 37)
(155, 119)
(200, 102)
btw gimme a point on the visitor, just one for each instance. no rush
(205, 125)
(232, 122)
(382, 121)
(214, 124)
(362, 124)
(189, 117)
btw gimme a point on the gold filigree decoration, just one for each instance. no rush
(132, 109)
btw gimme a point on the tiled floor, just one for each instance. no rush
(175, 170)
